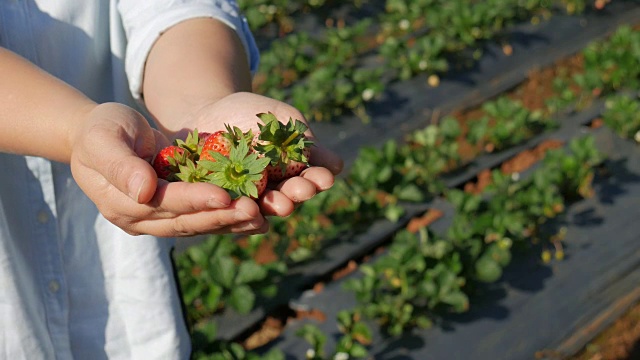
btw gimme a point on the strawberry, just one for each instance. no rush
(285, 145)
(241, 173)
(216, 142)
(167, 162)
(292, 168)
(202, 137)
(222, 141)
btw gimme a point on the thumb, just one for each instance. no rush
(140, 179)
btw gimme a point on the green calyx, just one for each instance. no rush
(191, 143)
(282, 143)
(237, 173)
(235, 135)
(189, 172)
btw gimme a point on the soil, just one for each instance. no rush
(621, 341)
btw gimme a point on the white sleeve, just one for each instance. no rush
(144, 21)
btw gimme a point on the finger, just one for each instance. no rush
(132, 176)
(242, 215)
(321, 177)
(249, 228)
(275, 203)
(122, 167)
(184, 198)
(297, 188)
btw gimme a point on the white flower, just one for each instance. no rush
(636, 137)
(310, 354)
(341, 356)
(368, 94)
(422, 65)
(515, 176)
(404, 24)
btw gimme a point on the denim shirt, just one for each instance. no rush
(73, 285)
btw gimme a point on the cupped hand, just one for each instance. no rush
(241, 109)
(110, 161)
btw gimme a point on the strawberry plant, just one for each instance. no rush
(207, 346)
(622, 114)
(355, 336)
(414, 278)
(288, 60)
(220, 273)
(506, 123)
(423, 274)
(574, 173)
(611, 65)
(565, 97)
(415, 56)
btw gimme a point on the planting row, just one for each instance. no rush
(226, 273)
(356, 60)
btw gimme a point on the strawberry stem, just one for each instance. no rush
(237, 171)
(290, 138)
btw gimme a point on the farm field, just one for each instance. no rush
(490, 195)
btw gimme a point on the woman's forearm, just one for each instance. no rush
(38, 112)
(191, 65)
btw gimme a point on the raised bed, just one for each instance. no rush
(548, 310)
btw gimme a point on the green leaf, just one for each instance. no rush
(393, 212)
(487, 269)
(212, 300)
(198, 255)
(410, 192)
(242, 298)
(457, 299)
(223, 271)
(361, 332)
(358, 351)
(250, 271)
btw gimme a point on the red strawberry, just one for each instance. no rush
(285, 145)
(216, 142)
(261, 185)
(166, 163)
(222, 141)
(293, 168)
(202, 137)
(241, 173)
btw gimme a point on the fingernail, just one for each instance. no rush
(136, 183)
